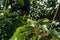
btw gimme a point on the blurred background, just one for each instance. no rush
(15, 13)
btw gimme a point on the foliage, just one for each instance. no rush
(41, 8)
(9, 20)
(14, 26)
(40, 29)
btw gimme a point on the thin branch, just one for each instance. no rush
(56, 12)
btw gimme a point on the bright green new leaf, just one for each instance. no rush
(17, 32)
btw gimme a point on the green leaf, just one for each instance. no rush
(21, 36)
(44, 27)
(29, 23)
(5, 4)
(54, 33)
(35, 1)
(46, 20)
(17, 32)
(54, 38)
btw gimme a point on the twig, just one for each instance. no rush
(56, 12)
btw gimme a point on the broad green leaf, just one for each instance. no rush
(17, 32)
(54, 33)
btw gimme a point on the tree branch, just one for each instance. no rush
(56, 12)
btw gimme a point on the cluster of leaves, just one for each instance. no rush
(40, 29)
(9, 20)
(36, 30)
(40, 8)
